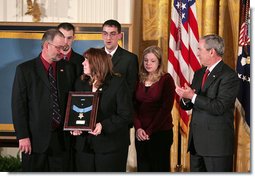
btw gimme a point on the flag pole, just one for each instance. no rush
(179, 165)
(183, 62)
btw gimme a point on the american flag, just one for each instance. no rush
(183, 42)
(243, 62)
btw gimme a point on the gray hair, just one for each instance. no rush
(50, 34)
(215, 42)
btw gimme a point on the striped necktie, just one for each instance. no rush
(56, 116)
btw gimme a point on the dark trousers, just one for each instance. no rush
(102, 162)
(154, 155)
(54, 159)
(210, 163)
(42, 162)
(200, 163)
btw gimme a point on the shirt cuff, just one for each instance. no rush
(194, 98)
(183, 102)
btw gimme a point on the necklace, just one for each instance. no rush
(148, 83)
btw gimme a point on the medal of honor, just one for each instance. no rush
(81, 112)
(81, 115)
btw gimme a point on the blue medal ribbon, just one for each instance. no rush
(82, 110)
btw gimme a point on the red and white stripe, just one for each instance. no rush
(183, 43)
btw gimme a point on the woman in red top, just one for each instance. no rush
(153, 119)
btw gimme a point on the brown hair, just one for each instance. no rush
(50, 34)
(143, 74)
(100, 65)
(111, 23)
(66, 26)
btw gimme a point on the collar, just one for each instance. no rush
(68, 55)
(46, 65)
(112, 52)
(213, 66)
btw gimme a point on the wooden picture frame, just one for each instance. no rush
(81, 111)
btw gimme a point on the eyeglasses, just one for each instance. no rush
(111, 34)
(69, 37)
(57, 47)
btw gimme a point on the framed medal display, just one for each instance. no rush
(81, 111)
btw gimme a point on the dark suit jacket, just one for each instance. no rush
(211, 126)
(77, 60)
(114, 113)
(31, 101)
(126, 63)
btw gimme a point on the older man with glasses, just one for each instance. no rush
(39, 97)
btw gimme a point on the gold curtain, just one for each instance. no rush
(152, 18)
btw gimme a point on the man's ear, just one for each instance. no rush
(45, 45)
(120, 35)
(212, 52)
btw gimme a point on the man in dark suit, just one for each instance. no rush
(211, 133)
(124, 62)
(69, 54)
(42, 141)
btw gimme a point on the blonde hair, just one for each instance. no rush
(143, 74)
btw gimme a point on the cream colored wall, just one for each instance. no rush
(75, 11)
